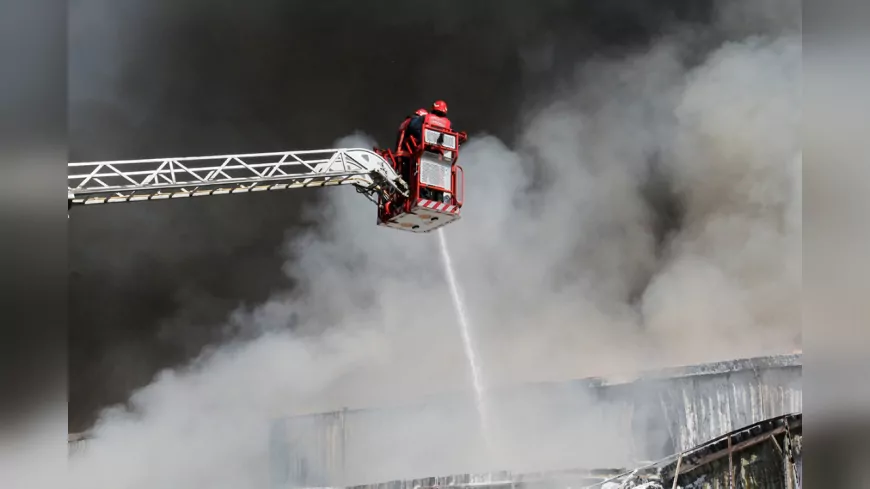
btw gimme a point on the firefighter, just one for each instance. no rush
(438, 115)
(402, 161)
(403, 128)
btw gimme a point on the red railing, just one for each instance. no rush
(458, 184)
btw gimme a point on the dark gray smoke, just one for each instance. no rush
(646, 213)
(152, 284)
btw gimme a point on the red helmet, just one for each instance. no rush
(421, 112)
(440, 106)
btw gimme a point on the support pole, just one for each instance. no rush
(677, 471)
(730, 465)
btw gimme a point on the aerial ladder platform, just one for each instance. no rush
(373, 173)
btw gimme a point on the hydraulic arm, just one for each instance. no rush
(104, 182)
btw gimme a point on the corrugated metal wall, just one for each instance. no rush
(706, 406)
(583, 423)
(77, 446)
(317, 446)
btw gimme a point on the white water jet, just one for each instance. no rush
(468, 344)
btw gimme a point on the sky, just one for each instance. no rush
(633, 200)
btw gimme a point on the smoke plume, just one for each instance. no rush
(648, 215)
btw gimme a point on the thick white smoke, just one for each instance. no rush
(561, 255)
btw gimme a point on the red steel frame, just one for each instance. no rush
(413, 150)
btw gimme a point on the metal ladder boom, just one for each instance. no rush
(102, 182)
